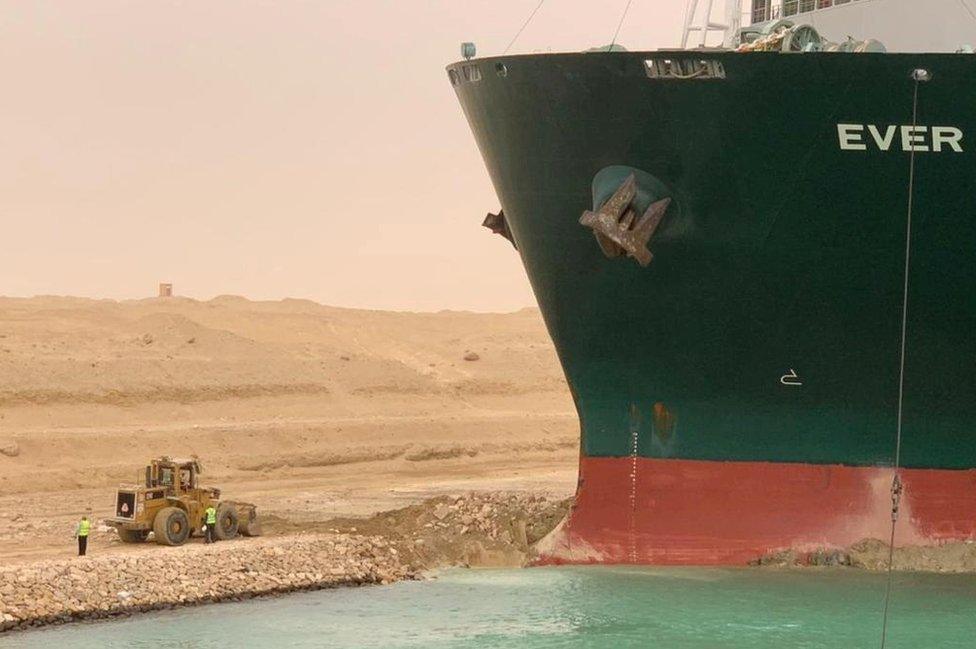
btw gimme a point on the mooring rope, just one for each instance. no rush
(965, 5)
(524, 25)
(613, 41)
(896, 485)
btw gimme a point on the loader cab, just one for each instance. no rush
(175, 476)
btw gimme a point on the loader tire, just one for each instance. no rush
(227, 522)
(171, 526)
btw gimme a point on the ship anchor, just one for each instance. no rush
(499, 225)
(617, 228)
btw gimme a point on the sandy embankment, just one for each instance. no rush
(311, 412)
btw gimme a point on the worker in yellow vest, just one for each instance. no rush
(211, 524)
(81, 533)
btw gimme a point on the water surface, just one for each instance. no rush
(686, 608)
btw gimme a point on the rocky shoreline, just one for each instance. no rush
(474, 529)
(96, 587)
(871, 555)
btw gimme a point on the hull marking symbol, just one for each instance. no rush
(791, 379)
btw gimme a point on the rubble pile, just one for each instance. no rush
(872, 555)
(473, 529)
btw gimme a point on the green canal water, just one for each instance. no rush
(688, 608)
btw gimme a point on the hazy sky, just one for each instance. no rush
(268, 149)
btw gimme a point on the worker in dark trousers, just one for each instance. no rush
(81, 533)
(211, 524)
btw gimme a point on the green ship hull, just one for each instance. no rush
(767, 327)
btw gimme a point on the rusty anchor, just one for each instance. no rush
(617, 228)
(497, 224)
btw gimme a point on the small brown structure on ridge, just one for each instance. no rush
(165, 290)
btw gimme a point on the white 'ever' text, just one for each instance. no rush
(860, 137)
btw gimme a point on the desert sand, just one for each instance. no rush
(309, 411)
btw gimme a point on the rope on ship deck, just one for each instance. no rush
(965, 5)
(613, 41)
(524, 25)
(918, 76)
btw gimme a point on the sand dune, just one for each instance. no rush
(72, 350)
(306, 409)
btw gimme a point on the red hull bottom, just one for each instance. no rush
(688, 512)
